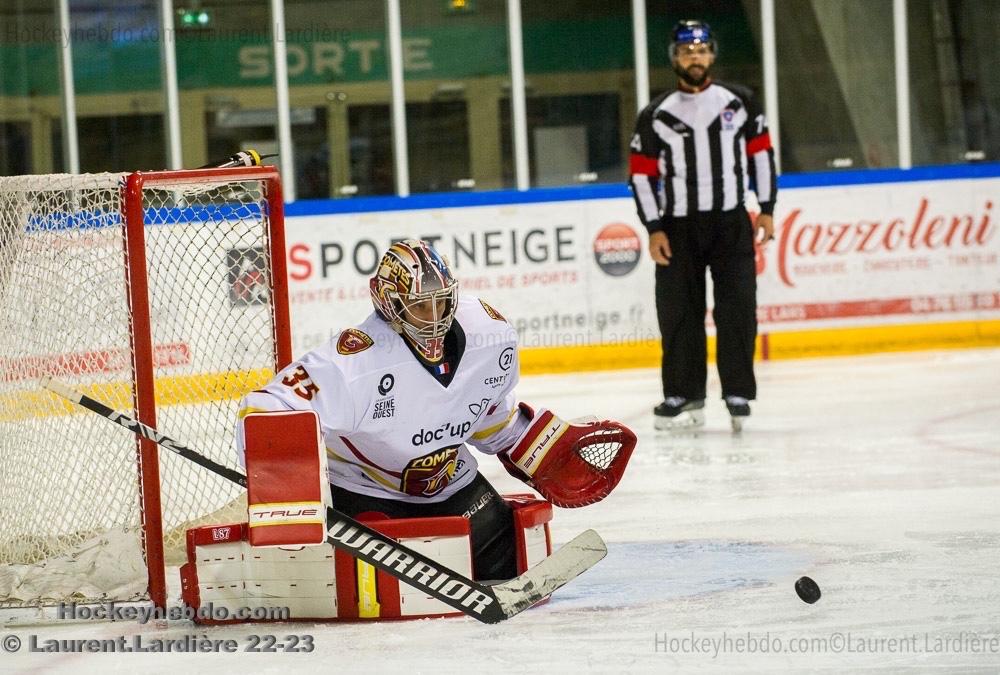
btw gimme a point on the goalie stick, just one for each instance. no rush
(487, 603)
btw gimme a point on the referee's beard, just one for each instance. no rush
(694, 76)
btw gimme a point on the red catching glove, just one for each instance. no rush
(571, 465)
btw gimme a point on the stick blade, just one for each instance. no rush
(548, 576)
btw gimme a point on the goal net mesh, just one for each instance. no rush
(71, 515)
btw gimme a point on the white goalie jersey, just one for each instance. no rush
(391, 429)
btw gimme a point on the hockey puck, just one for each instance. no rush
(807, 589)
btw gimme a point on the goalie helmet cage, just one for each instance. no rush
(165, 295)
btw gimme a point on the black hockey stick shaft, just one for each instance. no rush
(140, 429)
(376, 549)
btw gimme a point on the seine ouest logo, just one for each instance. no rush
(386, 383)
(616, 249)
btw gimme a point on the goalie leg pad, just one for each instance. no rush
(224, 573)
(571, 465)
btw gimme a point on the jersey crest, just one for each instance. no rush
(428, 475)
(493, 314)
(353, 341)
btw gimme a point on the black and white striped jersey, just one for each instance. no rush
(700, 151)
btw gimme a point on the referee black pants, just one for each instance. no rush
(722, 242)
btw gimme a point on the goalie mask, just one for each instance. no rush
(415, 292)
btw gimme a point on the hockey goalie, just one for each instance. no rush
(383, 421)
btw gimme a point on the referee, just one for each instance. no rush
(695, 152)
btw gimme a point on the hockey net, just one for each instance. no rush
(163, 295)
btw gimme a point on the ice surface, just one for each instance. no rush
(877, 476)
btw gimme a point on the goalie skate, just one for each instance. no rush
(679, 413)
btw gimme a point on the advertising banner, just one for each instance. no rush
(576, 273)
(564, 273)
(872, 254)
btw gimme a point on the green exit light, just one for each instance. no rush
(194, 18)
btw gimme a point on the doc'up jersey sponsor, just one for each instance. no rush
(391, 429)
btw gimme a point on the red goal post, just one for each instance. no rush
(165, 294)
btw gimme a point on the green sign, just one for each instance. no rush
(211, 58)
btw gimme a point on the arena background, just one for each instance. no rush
(500, 131)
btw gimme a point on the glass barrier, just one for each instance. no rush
(835, 73)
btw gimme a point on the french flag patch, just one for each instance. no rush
(443, 369)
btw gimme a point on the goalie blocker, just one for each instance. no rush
(287, 486)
